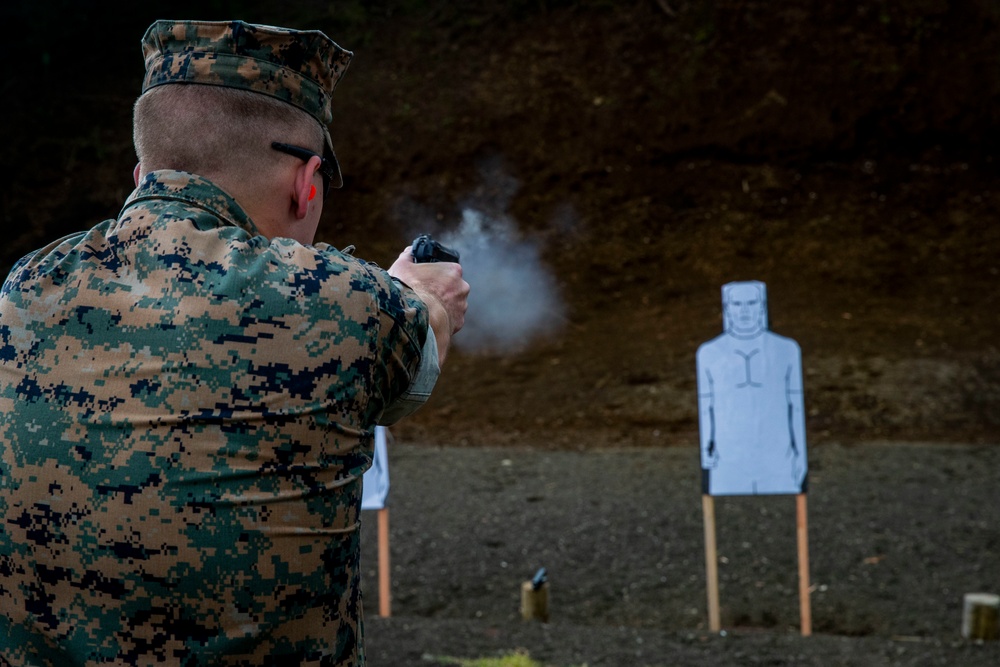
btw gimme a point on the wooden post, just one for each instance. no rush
(981, 616)
(535, 602)
(802, 529)
(711, 563)
(384, 608)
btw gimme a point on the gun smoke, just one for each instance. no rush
(515, 299)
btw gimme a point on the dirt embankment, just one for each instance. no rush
(649, 152)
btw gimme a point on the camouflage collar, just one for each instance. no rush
(194, 190)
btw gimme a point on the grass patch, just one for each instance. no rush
(518, 658)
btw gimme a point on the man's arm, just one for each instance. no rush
(442, 289)
(420, 387)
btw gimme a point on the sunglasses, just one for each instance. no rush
(327, 168)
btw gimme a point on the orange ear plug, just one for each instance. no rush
(312, 192)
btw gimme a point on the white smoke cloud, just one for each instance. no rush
(515, 300)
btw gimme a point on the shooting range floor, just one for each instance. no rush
(898, 532)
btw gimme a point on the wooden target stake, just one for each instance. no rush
(802, 532)
(711, 563)
(384, 608)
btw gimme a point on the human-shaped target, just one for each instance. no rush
(375, 486)
(750, 402)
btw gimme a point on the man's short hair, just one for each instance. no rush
(298, 68)
(212, 130)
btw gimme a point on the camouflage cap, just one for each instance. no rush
(301, 67)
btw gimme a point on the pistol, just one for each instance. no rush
(426, 249)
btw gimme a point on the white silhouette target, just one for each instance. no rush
(750, 402)
(375, 486)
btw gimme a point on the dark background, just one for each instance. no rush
(841, 152)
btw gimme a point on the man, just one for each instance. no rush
(750, 402)
(188, 392)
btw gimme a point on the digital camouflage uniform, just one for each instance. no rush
(186, 411)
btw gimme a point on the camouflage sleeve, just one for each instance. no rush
(408, 374)
(421, 387)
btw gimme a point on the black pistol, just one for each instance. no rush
(426, 249)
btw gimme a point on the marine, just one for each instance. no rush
(188, 392)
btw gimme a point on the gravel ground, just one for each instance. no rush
(898, 533)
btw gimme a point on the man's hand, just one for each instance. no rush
(441, 287)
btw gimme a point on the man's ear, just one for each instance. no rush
(303, 188)
(135, 173)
